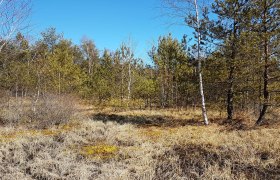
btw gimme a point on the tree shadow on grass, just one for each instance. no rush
(233, 125)
(146, 121)
(238, 124)
(194, 160)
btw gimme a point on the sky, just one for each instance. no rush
(107, 22)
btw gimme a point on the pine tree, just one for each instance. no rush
(266, 19)
(169, 58)
(227, 29)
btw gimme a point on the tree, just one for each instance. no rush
(145, 84)
(22, 58)
(42, 49)
(51, 38)
(13, 16)
(266, 17)
(169, 58)
(190, 11)
(127, 56)
(105, 75)
(91, 54)
(65, 76)
(232, 17)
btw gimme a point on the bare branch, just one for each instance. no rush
(13, 15)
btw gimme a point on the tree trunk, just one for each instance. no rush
(203, 107)
(260, 95)
(129, 80)
(230, 94)
(230, 91)
(122, 86)
(266, 65)
(265, 87)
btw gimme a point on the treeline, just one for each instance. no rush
(239, 56)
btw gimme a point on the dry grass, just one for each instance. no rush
(99, 151)
(142, 145)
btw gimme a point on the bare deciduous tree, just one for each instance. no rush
(90, 52)
(13, 18)
(127, 52)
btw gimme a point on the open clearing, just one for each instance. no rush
(142, 144)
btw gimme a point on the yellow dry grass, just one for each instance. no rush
(11, 135)
(102, 151)
(114, 149)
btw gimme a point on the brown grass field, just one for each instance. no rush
(142, 144)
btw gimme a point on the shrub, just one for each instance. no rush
(41, 113)
(51, 110)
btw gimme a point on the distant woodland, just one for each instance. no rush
(236, 53)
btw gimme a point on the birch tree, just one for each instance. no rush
(127, 58)
(190, 12)
(91, 54)
(13, 18)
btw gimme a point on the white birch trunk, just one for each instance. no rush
(129, 79)
(122, 85)
(204, 112)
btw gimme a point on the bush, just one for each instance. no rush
(43, 113)
(51, 110)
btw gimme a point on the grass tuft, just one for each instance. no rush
(99, 151)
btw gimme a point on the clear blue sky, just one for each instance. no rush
(107, 22)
